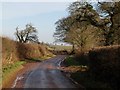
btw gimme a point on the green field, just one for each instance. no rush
(61, 47)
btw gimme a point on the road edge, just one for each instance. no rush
(68, 75)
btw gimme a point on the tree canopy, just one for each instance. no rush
(29, 34)
(86, 27)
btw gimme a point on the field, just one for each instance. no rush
(61, 47)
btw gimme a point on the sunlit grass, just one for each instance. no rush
(10, 70)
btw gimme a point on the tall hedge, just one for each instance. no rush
(13, 51)
(105, 64)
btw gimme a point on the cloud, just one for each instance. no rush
(24, 9)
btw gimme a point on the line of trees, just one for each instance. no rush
(89, 25)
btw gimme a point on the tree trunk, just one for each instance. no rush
(73, 49)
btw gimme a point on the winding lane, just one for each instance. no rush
(48, 75)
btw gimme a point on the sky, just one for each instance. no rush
(42, 15)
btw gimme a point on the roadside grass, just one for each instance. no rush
(13, 58)
(69, 61)
(29, 60)
(46, 57)
(84, 77)
(9, 71)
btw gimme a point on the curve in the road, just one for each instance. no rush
(48, 75)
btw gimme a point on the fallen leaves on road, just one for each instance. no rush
(73, 69)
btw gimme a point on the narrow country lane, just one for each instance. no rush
(48, 75)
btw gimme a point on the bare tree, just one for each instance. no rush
(26, 35)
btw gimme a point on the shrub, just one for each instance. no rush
(27, 51)
(105, 64)
(13, 51)
(9, 52)
(82, 58)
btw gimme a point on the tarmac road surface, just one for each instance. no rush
(48, 75)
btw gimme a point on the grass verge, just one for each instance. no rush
(85, 78)
(69, 61)
(47, 57)
(9, 72)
